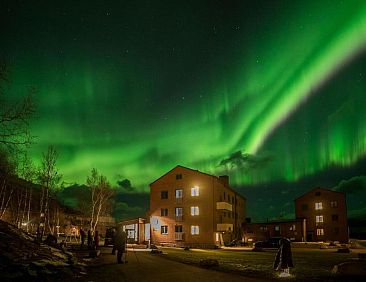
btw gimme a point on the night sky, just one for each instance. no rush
(272, 93)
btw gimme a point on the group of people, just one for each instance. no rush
(119, 242)
(92, 243)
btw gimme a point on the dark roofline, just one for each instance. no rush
(317, 188)
(196, 170)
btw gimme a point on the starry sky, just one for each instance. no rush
(272, 93)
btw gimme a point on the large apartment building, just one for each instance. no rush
(325, 212)
(194, 209)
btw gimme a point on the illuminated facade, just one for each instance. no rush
(194, 209)
(325, 212)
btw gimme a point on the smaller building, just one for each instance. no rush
(325, 212)
(138, 230)
(294, 229)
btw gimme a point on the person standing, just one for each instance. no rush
(120, 243)
(90, 240)
(96, 239)
(82, 238)
(283, 259)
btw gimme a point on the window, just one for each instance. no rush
(277, 228)
(195, 211)
(293, 227)
(164, 229)
(195, 191)
(336, 230)
(178, 228)
(179, 211)
(317, 193)
(178, 193)
(319, 218)
(195, 230)
(333, 204)
(335, 217)
(224, 196)
(263, 228)
(319, 206)
(164, 212)
(228, 198)
(304, 207)
(164, 194)
(178, 176)
(320, 232)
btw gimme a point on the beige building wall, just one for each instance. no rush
(220, 209)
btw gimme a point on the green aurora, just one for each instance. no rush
(135, 88)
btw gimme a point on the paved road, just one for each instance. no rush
(143, 266)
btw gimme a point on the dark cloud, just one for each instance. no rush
(247, 161)
(353, 185)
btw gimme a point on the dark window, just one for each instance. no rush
(178, 176)
(164, 212)
(228, 198)
(229, 214)
(232, 200)
(317, 193)
(333, 204)
(335, 217)
(164, 229)
(178, 228)
(164, 194)
(336, 230)
(224, 196)
(304, 207)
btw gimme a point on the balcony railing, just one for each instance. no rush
(178, 200)
(179, 218)
(178, 236)
(224, 206)
(224, 227)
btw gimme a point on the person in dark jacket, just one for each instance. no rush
(90, 240)
(96, 239)
(283, 260)
(82, 238)
(120, 243)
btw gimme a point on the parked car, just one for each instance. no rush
(235, 243)
(271, 243)
(109, 236)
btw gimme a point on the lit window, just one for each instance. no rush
(178, 193)
(164, 229)
(293, 227)
(320, 232)
(195, 211)
(277, 228)
(195, 191)
(333, 204)
(178, 211)
(195, 230)
(164, 212)
(319, 218)
(263, 228)
(319, 206)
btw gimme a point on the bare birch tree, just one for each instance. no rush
(49, 179)
(100, 192)
(7, 170)
(14, 116)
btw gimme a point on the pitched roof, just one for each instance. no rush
(318, 188)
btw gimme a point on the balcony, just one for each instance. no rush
(179, 218)
(224, 227)
(178, 236)
(224, 206)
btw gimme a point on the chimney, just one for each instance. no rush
(225, 180)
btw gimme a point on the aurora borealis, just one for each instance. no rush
(134, 88)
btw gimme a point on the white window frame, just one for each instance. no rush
(318, 206)
(320, 232)
(195, 211)
(166, 231)
(195, 230)
(195, 191)
(179, 213)
(178, 193)
(319, 219)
